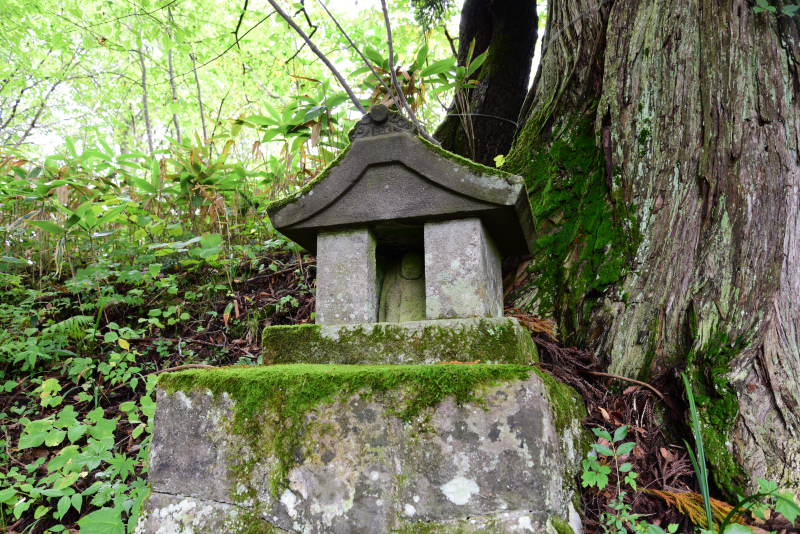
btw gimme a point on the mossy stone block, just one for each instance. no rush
(490, 340)
(356, 448)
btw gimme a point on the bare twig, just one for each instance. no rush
(172, 81)
(313, 31)
(8, 452)
(319, 54)
(239, 24)
(200, 96)
(366, 62)
(145, 107)
(450, 40)
(396, 84)
(626, 379)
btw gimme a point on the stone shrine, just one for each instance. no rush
(353, 425)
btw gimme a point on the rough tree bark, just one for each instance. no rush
(660, 147)
(507, 29)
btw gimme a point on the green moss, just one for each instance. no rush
(565, 402)
(487, 340)
(718, 408)
(562, 527)
(586, 238)
(476, 168)
(284, 394)
(275, 205)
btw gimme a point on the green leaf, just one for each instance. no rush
(103, 429)
(262, 120)
(786, 506)
(625, 448)
(314, 112)
(620, 433)
(55, 437)
(47, 226)
(77, 501)
(16, 261)
(422, 55)
(65, 460)
(8, 495)
(76, 432)
(602, 449)
(476, 63)
(103, 521)
(437, 67)
(736, 528)
(144, 185)
(62, 507)
(35, 433)
(373, 55)
(790, 10)
(40, 511)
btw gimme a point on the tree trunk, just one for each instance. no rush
(481, 125)
(172, 81)
(145, 106)
(660, 148)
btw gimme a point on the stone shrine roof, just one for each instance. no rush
(389, 175)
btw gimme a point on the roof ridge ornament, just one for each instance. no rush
(380, 121)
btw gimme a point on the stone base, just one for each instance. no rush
(507, 461)
(500, 340)
(164, 513)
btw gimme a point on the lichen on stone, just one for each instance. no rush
(286, 393)
(487, 340)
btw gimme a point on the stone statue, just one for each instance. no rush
(403, 292)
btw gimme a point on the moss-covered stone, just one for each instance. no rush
(291, 391)
(477, 168)
(391, 447)
(281, 202)
(500, 340)
(561, 526)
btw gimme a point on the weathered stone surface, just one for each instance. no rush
(500, 340)
(398, 177)
(347, 290)
(498, 466)
(462, 271)
(380, 121)
(178, 514)
(403, 290)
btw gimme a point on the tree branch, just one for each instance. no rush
(320, 55)
(239, 24)
(396, 84)
(366, 62)
(308, 19)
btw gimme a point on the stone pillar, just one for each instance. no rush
(346, 278)
(462, 271)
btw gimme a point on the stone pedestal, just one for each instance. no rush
(462, 271)
(502, 460)
(500, 340)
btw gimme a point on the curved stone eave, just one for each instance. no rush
(406, 150)
(501, 201)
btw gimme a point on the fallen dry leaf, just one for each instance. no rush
(603, 411)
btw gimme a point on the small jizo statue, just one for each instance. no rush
(403, 293)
